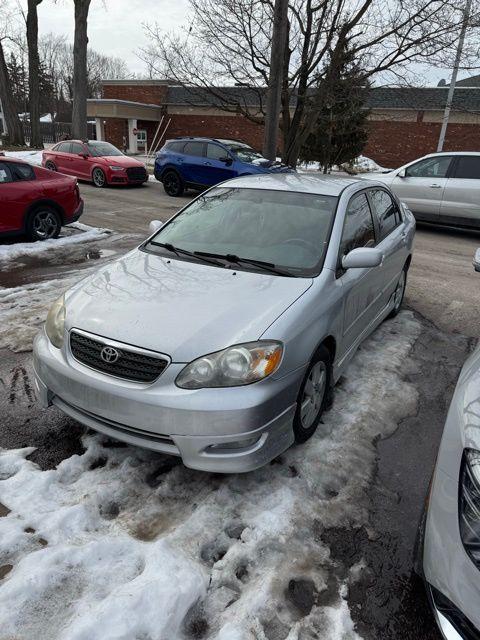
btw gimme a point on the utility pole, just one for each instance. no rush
(453, 80)
(274, 91)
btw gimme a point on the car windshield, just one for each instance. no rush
(98, 149)
(287, 229)
(245, 153)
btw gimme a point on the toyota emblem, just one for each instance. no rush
(109, 354)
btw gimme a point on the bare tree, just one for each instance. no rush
(36, 139)
(80, 76)
(14, 126)
(230, 42)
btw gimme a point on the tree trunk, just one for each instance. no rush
(80, 79)
(14, 126)
(275, 82)
(36, 139)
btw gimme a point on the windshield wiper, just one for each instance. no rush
(267, 266)
(185, 252)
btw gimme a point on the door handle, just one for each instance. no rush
(435, 186)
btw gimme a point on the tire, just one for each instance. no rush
(50, 165)
(306, 421)
(98, 178)
(173, 184)
(43, 223)
(399, 293)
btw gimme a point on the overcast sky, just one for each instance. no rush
(114, 26)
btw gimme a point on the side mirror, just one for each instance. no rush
(155, 225)
(402, 173)
(476, 260)
(83, 155)
(362, 258)
(226, 159)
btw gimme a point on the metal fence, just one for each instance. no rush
(54, 131)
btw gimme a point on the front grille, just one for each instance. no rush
(137, 173)
(130, 364)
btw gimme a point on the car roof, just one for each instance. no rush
(299, 182)
(205, 139)
(451, 153)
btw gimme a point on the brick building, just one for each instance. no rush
(404, 123)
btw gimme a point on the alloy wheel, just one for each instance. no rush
(49, 165)
(44, 225)
(313, 394)
(171, 183)
(98, 178)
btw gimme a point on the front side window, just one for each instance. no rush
(99, 149)
(77, 148)
(194, 149)
(429, 168)
(385, 210)
(468, 167)
(358, 229)
(5, 173)
(215, 152)
(289, 230)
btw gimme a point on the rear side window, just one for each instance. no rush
(358, 229)
(175, 147)
(468, 167)
(194, 148)
(429, 168)
(64, 147)
(5, 173)
(215, 152)
(23, 172)
(385, 210)
(77, 148)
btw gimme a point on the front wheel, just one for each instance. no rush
(50, 165)
(313, 396)
(173, 184)
(43, 224)
(399, 294)
(98, 177)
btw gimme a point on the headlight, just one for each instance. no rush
(115, 168)
(470, 504)
(232, 367)
(55, 323)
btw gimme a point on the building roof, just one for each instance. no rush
(423, 98)
(472, 81)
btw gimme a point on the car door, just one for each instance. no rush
(17, 190)
(421, 186)
(62, 157)
(461, 198)
(391, 240)
(79, 162)
(193, 169)
(218, 164)
(358, 285)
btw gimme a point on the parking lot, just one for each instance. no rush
(349, 501)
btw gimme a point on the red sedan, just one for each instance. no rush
(96, 161)
(34, 201)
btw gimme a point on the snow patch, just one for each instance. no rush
(23, 249)
(33, 157)
(121, 543)
(362, 164)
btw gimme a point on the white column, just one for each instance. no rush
(100, 129)
(132, 137)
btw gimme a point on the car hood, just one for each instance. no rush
(182, 309)
(467, 397)
(122, 161)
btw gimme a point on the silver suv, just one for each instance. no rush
(442, 187)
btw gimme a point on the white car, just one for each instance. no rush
(443, 188)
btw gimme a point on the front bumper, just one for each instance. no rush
(453, 579)
(229, 430)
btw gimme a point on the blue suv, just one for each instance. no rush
(202, 162)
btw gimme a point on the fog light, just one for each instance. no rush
(234, 446)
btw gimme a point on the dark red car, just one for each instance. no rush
(96, 161)
(35, 201)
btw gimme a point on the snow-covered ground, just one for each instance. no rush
(123, 544)
(33, 156)
(362, 164)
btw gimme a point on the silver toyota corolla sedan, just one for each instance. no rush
(443, 188)
(451, 539)
(219, 339)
